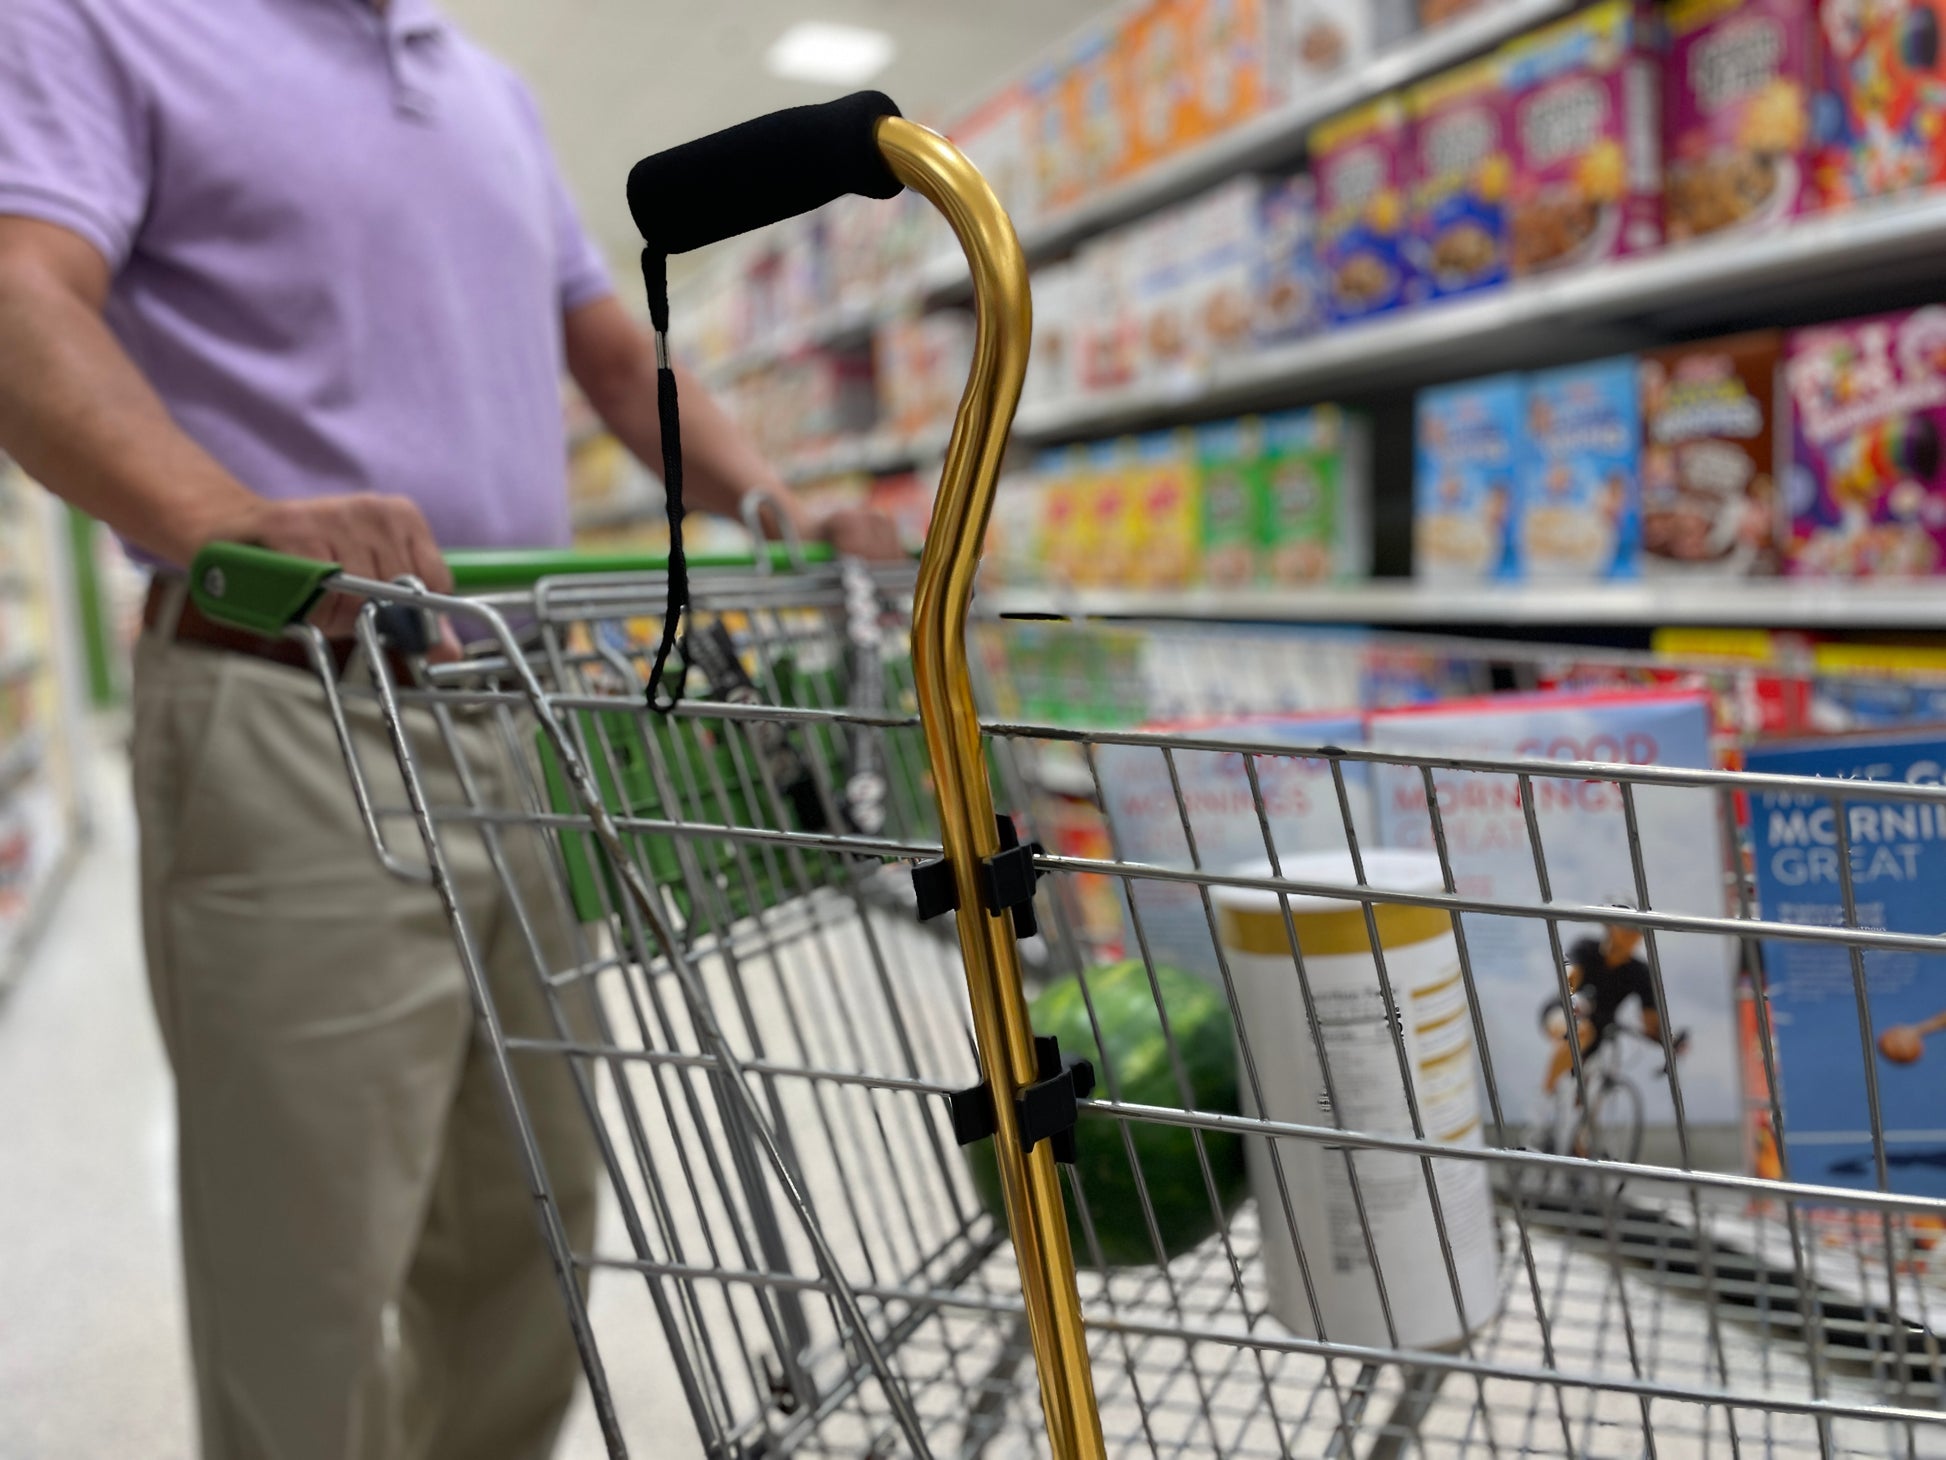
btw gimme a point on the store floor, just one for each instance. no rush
(93, 1357)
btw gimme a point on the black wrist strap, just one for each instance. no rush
(662, 699)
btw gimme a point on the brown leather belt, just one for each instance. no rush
(193, 626)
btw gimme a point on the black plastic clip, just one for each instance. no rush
(1011, 877)
(938, 893)
(1045, 1110)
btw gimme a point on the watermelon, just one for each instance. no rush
(1138, 1055)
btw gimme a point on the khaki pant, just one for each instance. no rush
(364, 1271)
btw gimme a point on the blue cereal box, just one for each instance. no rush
(1291, 297)
(1461, 168)
(1360, 163)
(1897, 862)
(1581, 477)
(1466, 468)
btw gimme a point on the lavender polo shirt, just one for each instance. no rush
(341, 248)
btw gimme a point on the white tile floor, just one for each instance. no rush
(92, 1352)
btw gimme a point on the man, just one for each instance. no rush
(302, 273)
(1604, 974)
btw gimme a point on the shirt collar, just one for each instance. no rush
(410, 19)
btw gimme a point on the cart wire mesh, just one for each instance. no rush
(795, 1257)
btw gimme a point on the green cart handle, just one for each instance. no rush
(266, 592)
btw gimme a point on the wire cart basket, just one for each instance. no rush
(1287, 1207)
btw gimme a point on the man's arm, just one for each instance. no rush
(78, 415)
(613, 362)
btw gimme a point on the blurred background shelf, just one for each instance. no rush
(1654, 603)
(1274, 139)
(1860, 259)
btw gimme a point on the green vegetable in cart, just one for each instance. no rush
(1143, 1074)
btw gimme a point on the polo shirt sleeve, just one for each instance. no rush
(581, 270)
(74, 140)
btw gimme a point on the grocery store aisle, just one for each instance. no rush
(92, 1354)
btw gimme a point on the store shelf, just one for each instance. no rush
(1711, 283)
(1274, 139)
(19, 761)
(1784, 604)
(875, 453)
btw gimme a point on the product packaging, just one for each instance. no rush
(1162, 521)
(1883, 123)
(1291, 297)
(1229, 494)
(1585, 835)
(1462, 168)
(997, 138)
(1587, 132)
(1095, 86)
(1107, 331)
(1053, 363)
(1709, 491)
(1299, 799)
(1055, 162)
(1064, 549)
(1438, 12)
(1580, 503)
(1737, 106)
(1324, 39)
(1159, 98)
(1315, 472)
(1232, 45)
(1112, 532)
(1865, 492)
(1467, 442)
(1219, 248)
(1152, 256)
(1896, 862)
(1360, 161)
(1327, 1052)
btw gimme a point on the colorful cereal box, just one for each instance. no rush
(1161, 521)
(1230, 48)
(1054, 161)
(1290, 286)
(1466, 477)
(1228, 496)
(1587, 139)
(1736, 96)
(1866, 493)
(1219, 249)
(1323, 39)
(1883, 128)
(1461, 170)
(1580, 502)
(1315, 470)
(1709, 487)
(1360, 163)
(1159, 97)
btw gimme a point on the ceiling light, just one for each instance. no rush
(829, 55)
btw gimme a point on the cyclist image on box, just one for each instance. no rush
(1603, 974)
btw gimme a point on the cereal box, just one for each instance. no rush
(1323, 39)
(1230, 52)
(1064, 548)
(1052, 363)
(1054, 161)
(1466, 468)
(1883, 129)
(1110, 508)
(1228, 496)
(1580, 484)
(1587, 181)
(996, 138)
(1161, 520)
(1160, 93)
(1736, 95)
(1865, 492)
(1315, 472)
(1360, 163)
(1219, 251)
(1709, 489)
(1290, 292)
(1094, 89)
(1154, 262)
(1461, 170)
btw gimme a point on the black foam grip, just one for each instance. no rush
(761, 171)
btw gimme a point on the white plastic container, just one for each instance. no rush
(1361, 1058)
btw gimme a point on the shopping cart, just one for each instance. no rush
(732, 909)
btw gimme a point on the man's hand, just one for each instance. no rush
(369, 536)
(859, 532)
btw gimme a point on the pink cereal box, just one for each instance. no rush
(1360, 161)
(1866, 490)
(1882, 122)
(1736, 94)
(1587, 138)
